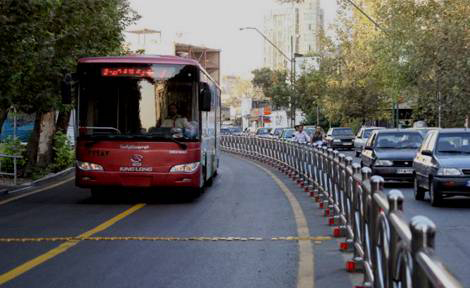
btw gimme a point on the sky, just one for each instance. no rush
(214, 24)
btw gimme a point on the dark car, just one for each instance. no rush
(263, 132)
(442, 165)
(390, 153)
(287, 134)
(340, 138)
(235, 130)
(276, 132)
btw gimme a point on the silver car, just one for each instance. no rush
(361, 138)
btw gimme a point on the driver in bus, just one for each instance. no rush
(174, 120)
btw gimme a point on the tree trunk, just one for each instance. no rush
(63, 121)
(3, 116)
(46, 136)
(32, 147)
(39, 149)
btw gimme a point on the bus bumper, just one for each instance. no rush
(87, 179)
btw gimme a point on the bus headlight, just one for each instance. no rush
(185, 168)
(87, 166)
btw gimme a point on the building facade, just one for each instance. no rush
(294, 28)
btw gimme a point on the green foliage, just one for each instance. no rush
(43, 39)
(12, 146)
(64, 154)
(419, 59)
(274, 85)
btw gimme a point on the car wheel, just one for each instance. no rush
(418, 191)
(435, 197)
(358, 154)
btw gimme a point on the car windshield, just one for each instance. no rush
(399, 140)
(367, 133)
(342, 132)
(453, 143)
(289, 133)
(262, 131)
(309, 131)
(235, 130)
(277, 131)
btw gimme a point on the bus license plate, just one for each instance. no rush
(405, 171)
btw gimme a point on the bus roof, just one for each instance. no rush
(149, 59)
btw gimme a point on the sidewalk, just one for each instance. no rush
(8, 191)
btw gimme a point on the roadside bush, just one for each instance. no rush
(64, 154)
(12, 146)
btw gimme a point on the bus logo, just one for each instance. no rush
(136, 160)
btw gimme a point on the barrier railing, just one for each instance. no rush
(388, 249)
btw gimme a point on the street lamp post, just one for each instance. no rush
(290, 59)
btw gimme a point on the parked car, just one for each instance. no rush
(361, 138)
(442, 165)
(225, 131)
(287, 134)
(263, 132)
(338, 138)
(276, 132)
(390, 153)
(236, 130)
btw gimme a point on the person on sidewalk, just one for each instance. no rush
(300, 135)
(317, 137)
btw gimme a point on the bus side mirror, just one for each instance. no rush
(205, 97)
(67, 88)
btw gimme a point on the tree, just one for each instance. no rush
(274, 85)
(42, 42)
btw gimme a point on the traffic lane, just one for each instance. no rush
(265, 215)
(168, 264)
(62, 211)
(243, 201)
(453, 230)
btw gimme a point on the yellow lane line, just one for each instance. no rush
(64, 246)
(36, 191)
(162, 238)
(306, 272)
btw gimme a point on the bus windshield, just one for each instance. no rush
(148, 101)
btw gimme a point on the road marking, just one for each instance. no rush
(306, 273)
(318, 239)
(25, 267)
(36, 191)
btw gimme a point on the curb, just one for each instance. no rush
(34, 184)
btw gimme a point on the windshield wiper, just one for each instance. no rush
(387, 147)
(450, 151)
(181, 144)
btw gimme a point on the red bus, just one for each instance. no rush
(146, 121)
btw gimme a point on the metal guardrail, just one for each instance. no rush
(15, 170)
(387, 248)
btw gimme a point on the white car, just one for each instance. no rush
(361, 138)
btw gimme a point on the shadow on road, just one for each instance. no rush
(149, 196)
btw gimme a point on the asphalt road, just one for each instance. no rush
(453, 228)
(244, 201)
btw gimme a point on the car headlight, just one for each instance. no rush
(383, 163)
(336, 140)
(449, 172)
(185, 168)
(87, 166)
